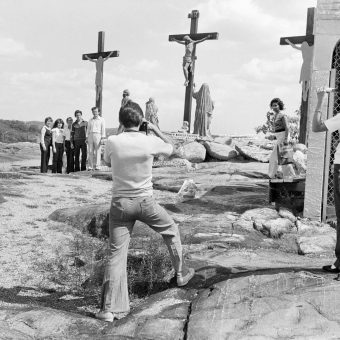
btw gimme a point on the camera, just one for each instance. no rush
(144, 127)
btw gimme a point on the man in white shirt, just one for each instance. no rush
(331, 125)
(95, 133)
(130, 154)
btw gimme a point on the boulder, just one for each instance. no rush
(312, 228)
(194, 152)
(277, 227)
(285, 213)
(220, 151)
(260, 214)
(223, 140)
(222, 311)
(23, 322)
(161, 316)
(93, 218)
(253, 152)
(317, 244)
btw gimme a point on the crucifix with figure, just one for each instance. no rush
(190, 41)
(99, 58)
(307, 46)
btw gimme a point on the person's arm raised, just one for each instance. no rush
(293, 45)
(160, 134)
(89, 59)
(178, 41)
(317, 124)
(108, 56)
(201, 40)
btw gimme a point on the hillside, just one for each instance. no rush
(13, 131)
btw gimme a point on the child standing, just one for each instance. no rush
(45, 144)
(58, 138)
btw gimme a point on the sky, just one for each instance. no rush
(42, 72)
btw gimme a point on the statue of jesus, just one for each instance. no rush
(306, 68)
(99, 72)
(187, 59)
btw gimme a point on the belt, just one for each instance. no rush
(280, 130)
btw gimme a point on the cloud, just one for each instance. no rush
(241, 20)
(11, 48)
(146, 65)
(261, 69)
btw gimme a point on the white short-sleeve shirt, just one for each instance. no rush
(332, 125)
(131, 156)
(58, 135)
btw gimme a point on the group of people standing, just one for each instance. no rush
(79, 139)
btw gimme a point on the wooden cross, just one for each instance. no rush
(100, 67)
(194, 15)
(309, 37)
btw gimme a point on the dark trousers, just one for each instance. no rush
(69, 157)
(58, 158)
(337, 211)
(45, 157)
(80, 145)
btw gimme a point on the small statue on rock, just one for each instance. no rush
(184, 128)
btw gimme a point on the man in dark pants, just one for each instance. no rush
(78, 141)
(330, 125)
(69, 150)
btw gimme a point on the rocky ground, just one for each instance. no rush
(258, 269)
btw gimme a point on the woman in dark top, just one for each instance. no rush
(281, 131)
(46, 144)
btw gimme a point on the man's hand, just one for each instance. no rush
(44, 147)
(321, 93)
(54, 150)
(151, 127)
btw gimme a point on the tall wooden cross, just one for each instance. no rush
(309, 37)
(99, 59)
(194, 15)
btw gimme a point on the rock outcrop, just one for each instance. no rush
(93, 218)
(194, 152)
(219, 151)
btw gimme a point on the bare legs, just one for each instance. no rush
(186, 72)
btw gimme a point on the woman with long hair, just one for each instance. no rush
(58, 141)
(204, 109)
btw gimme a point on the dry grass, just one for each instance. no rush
(78, 268)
